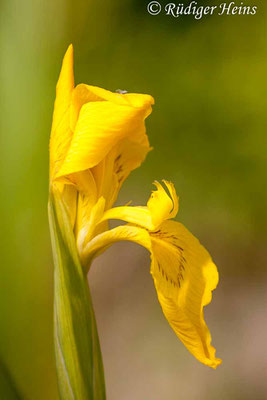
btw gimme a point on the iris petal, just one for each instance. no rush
(184, 277)
(160, 207)
(61, 133)
(116, 167)
(100, 126)
(83, 94)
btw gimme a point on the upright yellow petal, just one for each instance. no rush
(100, 126)
(60, 132)
(174, 197)
(115, 168)
(83, 94)
(88, 217)
(160, 206)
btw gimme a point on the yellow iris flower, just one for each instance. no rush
(97, 139)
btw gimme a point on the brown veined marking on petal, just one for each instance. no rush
(180, 275)
(155, 232)
(181, 268)
(117, 158)
(118, 177)
(118, 168)
(161, 270)
(164, 235)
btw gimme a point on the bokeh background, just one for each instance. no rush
(208, 130)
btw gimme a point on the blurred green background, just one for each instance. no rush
(208, 130)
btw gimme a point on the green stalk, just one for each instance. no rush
(78, 355)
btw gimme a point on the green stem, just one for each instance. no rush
(78, 355)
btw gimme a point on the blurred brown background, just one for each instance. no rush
(208, 130)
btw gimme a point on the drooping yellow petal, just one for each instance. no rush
(107, 238)
(160, 206)
(184, 277)
(60, 132)
(100, 126)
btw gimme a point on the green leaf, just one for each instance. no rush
(78, 355)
